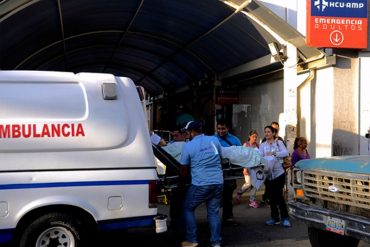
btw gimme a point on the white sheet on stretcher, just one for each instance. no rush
(249, 158)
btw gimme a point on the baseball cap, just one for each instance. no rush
(192, 125)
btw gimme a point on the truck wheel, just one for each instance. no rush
(52, 230)
(320, 238)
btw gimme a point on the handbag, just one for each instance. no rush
(287, 162)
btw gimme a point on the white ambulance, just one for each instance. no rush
(75, 156)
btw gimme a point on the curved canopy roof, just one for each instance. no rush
(162, 45)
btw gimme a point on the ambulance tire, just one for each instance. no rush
(321, 238)
(54, 229)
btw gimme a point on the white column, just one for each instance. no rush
(288, 120)
(324, 116)
(364, 103)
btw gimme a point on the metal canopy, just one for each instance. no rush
(162, 45)
(283, 29)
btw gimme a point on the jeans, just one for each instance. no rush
(196, 195)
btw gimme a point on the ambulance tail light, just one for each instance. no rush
(152, 194)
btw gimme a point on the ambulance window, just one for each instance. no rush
(25, 100)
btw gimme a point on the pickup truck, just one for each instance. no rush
(332, 196)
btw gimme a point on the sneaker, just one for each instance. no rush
(286, 223)
(238, 198)
(253, 204)
(188, 244)
(272, 222)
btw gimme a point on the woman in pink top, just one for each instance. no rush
(251, 142)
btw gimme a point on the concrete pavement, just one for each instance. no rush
(249, 232)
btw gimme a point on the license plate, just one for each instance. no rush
(335, 225)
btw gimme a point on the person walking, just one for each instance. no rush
(273, 151)
(252, 143)
(227, 140)
(201, 156)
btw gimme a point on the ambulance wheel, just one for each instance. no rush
(52, 230)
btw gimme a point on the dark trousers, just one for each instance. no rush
(227, 199)
(266, 197)
(277, 201)
(177, 211)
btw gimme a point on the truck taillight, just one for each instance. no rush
(152, 194)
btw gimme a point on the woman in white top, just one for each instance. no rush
(274, 150)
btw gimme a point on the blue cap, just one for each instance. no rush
(192, 125)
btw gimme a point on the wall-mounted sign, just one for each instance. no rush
(337, 23)
(227, 96)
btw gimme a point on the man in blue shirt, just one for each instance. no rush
(202, 156)
(227, 140)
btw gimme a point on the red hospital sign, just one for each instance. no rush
(337, 23)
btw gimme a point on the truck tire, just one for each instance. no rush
(320, 238)
(53, 229)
